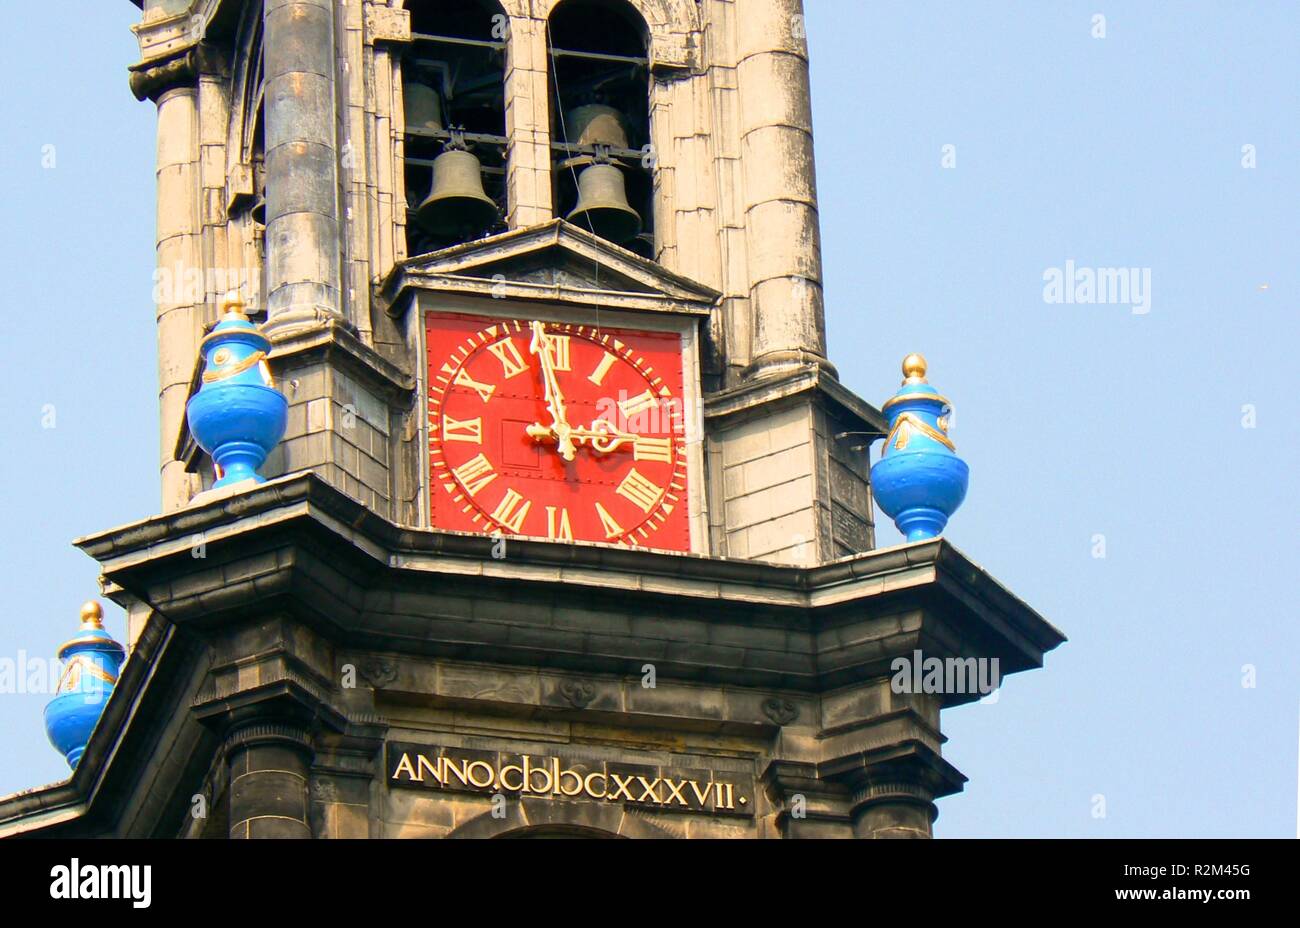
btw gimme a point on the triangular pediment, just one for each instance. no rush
(556, 261)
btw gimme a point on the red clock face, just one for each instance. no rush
(557, 431)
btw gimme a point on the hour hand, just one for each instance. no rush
(602, 436)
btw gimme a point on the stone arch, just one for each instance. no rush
(667, 15)
(669, 23)
(554, 816)
(659, 15)
(499, 6)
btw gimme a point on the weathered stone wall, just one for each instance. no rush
(764, 469)
(771, 745)
(338, 428)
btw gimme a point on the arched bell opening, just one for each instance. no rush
(602, 160)
(453, 84)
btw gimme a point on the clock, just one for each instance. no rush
(556, 430)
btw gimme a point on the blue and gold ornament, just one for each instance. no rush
(919, 481)
(237, 416)
(91, 662)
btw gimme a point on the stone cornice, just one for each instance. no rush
(339, 344)
(757, 395)
(297, 546)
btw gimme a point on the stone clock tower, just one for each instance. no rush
(564, 535)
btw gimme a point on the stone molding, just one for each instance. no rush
(269, 732)
(793, 614)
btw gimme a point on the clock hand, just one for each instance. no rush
(603, 436)
(560, 427)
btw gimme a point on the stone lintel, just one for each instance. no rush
(385, 24)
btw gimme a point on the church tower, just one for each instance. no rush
(297, 152)
(571, 518)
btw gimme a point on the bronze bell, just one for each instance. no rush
(422, 107)
(602, 204)
(457, 206)
(596, 124)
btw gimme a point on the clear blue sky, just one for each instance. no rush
(1076, 419)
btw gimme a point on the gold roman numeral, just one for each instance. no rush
(511, 360)
(644, 493)
(510, 514)
(598, 375)
(558, 527)
(638, 404)
(558, 345)
(475, 474)
(471, 430)
(484, 390)
(653, 449)
(612, 528)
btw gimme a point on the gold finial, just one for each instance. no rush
(92, 615)
(914, 368)
(232, 304)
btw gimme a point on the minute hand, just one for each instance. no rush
(540, 346)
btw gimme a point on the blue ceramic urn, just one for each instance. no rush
(237, 416)
(91, 661)
(919, 481)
